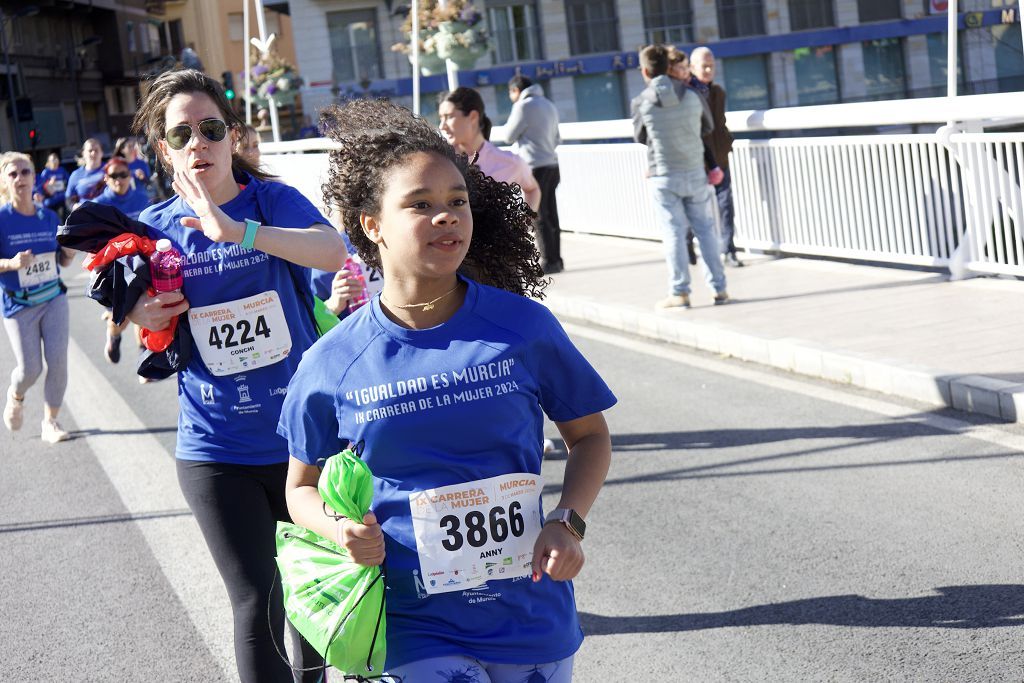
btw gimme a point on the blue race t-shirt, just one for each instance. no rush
(131, 203)
(250, 325)
(60, 184)
(82, 182)
(19, 232)
(452, 405)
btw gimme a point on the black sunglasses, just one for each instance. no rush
(213, 130)
(119, 176)
(24, 171)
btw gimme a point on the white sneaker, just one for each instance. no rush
(13, 411)
(549, 446)
(52, 432)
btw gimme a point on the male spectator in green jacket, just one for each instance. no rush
(702, 63)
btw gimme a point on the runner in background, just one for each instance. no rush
(128, 149)
(51, 184)
(85, 181)
(246, 293)
(447, 398)
(35, 309)
(247, 144)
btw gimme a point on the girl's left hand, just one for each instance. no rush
(557, 553)
(211, 221)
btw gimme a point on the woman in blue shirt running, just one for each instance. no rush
(35, 310)
(247, 244)
(444, 379)
(84, 181)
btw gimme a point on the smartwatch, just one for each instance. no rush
(249, 238)
(572, 521)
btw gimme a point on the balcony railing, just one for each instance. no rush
(949, 199)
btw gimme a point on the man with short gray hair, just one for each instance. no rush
(702, 64)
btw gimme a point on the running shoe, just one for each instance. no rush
(52, 432)
(113, 349)
(674, 301)
(13, 411)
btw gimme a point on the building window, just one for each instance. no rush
(807, 14)
(599, 97)
(514, 30)
(355, 49)
(746, 83)
(878, 10)
(883, 69)
(272, 22)
(235, 27)
(816, 80)
(668, 21)
(740, 18)
(592, 26)
(937, 56)
(1006, 42)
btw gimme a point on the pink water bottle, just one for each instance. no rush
(357, 272)
(165, 267)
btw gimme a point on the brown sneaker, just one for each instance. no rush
(674, 301)
(721, 297)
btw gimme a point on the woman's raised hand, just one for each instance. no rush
(210, 220)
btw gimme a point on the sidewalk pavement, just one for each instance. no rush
(901, 332)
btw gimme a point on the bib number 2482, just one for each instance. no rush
(477, 529)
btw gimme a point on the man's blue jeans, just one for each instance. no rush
(682, 202)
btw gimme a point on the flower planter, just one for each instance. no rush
(430, 64)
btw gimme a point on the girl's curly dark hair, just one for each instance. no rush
(375, 135)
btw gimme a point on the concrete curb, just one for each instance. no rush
(969, 393)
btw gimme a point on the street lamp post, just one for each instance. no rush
(23, 12)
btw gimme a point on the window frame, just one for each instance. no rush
(651, 28)
(370, 13)
(571, 26)
(735, 7)
(532, 30)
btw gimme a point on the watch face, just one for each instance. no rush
(577, 524)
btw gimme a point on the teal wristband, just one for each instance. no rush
(249, 239)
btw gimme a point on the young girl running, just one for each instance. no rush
(246, 289)
(35, 309)
(444, 378)
(85, 180)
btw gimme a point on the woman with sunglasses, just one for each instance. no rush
(86, 180)
(35, 310)
(118, 189)
(248, 244)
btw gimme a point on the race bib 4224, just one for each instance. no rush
(241, 335)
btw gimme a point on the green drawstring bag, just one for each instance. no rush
(336, 604)
(325, 320)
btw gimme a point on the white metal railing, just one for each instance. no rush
(948, 200)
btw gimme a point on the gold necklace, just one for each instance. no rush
(425, 307)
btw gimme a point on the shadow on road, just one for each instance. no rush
(984, 606)
(36, 525)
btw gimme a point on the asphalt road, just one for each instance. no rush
(753, 528)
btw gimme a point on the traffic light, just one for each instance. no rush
(228, 79)
(33, 137)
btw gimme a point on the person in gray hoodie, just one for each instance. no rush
(533, 128)
(671, 118)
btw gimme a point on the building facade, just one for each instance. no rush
(771, 53)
